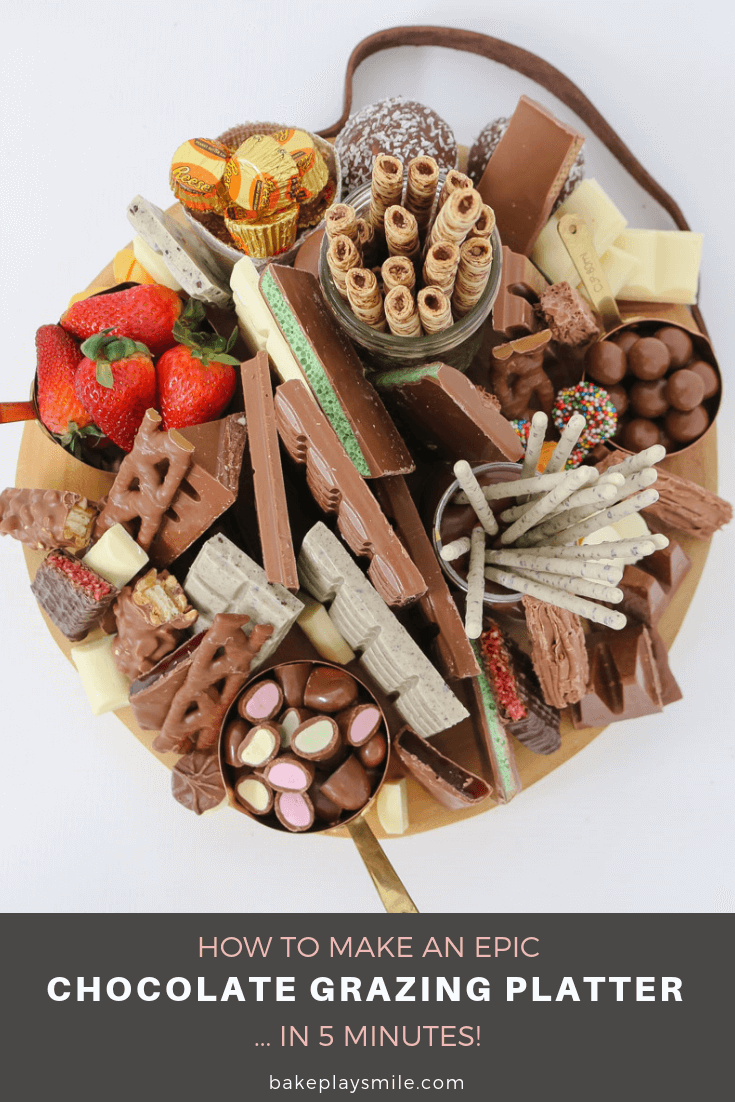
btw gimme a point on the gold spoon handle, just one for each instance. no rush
(577, 240)
(393, 895)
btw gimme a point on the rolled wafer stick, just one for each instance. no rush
(485, 224)
(365, 298)
(342, 255)
(401, 232)
(435, 310)
(541, 483)
(596, 591)
(457, 217)
(453, 181)
(475, 258)
(569, 437)
(475, 584)
(475, 497)
(401, 313)
(607, 516)
(534, 444)
(398, 271)
(440, 266)
(386, 187)
(422, 178)
(455, 549)
(342, 218)
(570, 601)
(613, 551)
(542, 507)
(577, 568)
(366, 241)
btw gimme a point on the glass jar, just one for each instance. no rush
(455, 346)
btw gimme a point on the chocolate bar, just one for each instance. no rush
(116, 556)
(387, 650)
(558, 652)
(72, 595)
(526, 172)
(521, 285)
(448, 782)
(196, 782)
(47, 519)
(338, 488)
(218, 670)
(334, 373)
(605, 222)
(152, 693)
(444, 405)
(649, 585)
(518, 693)
(152, 618)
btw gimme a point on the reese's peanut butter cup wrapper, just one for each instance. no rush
(197, 171)
(268, 236)
(298, 145)
(261, 176)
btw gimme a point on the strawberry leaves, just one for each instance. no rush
(104, 349)
(203, 346)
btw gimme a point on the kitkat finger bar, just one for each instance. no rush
(450, 785)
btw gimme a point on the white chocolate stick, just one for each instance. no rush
(595, 496)
(582, 588)
(552, 564)
(540, 484)
(455, 549)
(659, 540)
(640, 480)
(612, 477)
(544, 506)
(464, 475)
(647, 458)
(536, 437)
(595, 613)
(614, 550)
(569, 437)
(561, 520)
(475, 584)
(608, 516)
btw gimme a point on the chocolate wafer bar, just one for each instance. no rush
(521, 286)
(71, 594)
(449, 783)
(338, 488)
(47, 519)
(490, 726)
(649, 585)
(152, 618)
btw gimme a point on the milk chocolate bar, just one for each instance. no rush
(448, 782)
(649, 585)
(338, 488)
(526, 172)
(387, 650)
(444, 405)
(152, 618)
(276, 542)
(196, 781)
(518, 693)
(72, 595)
(335, 373)
(152, 693)
(521, 286)
(47, 519)
(558, 652)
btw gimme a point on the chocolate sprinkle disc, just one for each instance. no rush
(196, 782)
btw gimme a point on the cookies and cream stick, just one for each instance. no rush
(539, 484)
(639, 480)
(597, 591)
(475, 497)
(516, 511)
(542, 507)
(634, 463)
(569, 601)
(534, 444)
(614, 550)
(607, 516)
(455, 549)
(569, 437)
(475, 583)
(598, 497)
(552, 564)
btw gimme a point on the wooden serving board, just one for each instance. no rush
(44, 464)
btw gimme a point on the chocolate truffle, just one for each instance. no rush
(684, 389)
(625, 340)
(649, 399)
(606, 363)
(684, 427)
(404, 128)
(373, 752)
(618, 395)
(649, 358)
(485, 144)
(640, 433)
(679, 344)
(708, 375)
(329, 689)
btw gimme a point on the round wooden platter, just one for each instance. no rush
(42, 463)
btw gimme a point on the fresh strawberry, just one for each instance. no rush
(146, 313)
(57, 359)
(117, 384)
(196, 378)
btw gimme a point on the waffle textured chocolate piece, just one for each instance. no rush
(218, 670)
(338, 488)
(558, 652)
(521, 285)
(518, 693)
(649, 585)
(71, 594)
(152, 617)
(518, 377)
(386, 649)
(196, 781)
(47, 519)
(449, 783)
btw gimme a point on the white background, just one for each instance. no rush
(94, 99)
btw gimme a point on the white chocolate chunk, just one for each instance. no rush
(316, 625)
(620, 267)
(116, 556)
(154, 264)
(392, 807)
(258, 326)
(668, 265)
(605, 221)
(106, 688)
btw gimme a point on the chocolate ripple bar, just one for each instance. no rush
(386, 649)
(338, 488)
(47, 519)
(71, 594)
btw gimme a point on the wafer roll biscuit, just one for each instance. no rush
(366, 241)
(435, 310)
(423, 176)
(341, 256)
(475, 258)
(454, 181)
(365, 298)
(440, 266)
(401, 232)
(485, 224)
(387, 187)
(457, 217)
(341, 218)
(398, 271)
(401, 313)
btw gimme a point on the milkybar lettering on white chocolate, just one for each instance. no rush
(605, 221)
(116, 556)
(106, 688)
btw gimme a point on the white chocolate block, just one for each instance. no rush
(669, 265)
(154, 264)
(619, 267)
(223, 578)
(257, 325)
(386, 649)
(392, 807)
(316, 625)
(606, 223)
(116, 556)
(106, 688)
(186, 257)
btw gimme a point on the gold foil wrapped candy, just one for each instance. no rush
(197, 171)
(262, 176)
(266, 236)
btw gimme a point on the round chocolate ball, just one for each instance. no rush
(709, 377)
(618, 395)
(640, 433)
(649, 358)
(606, 363)
(625, 339)
(685, 426)
(404, 128)
(684, 389)
(666, 440)
(678, 342)
(648, 399)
